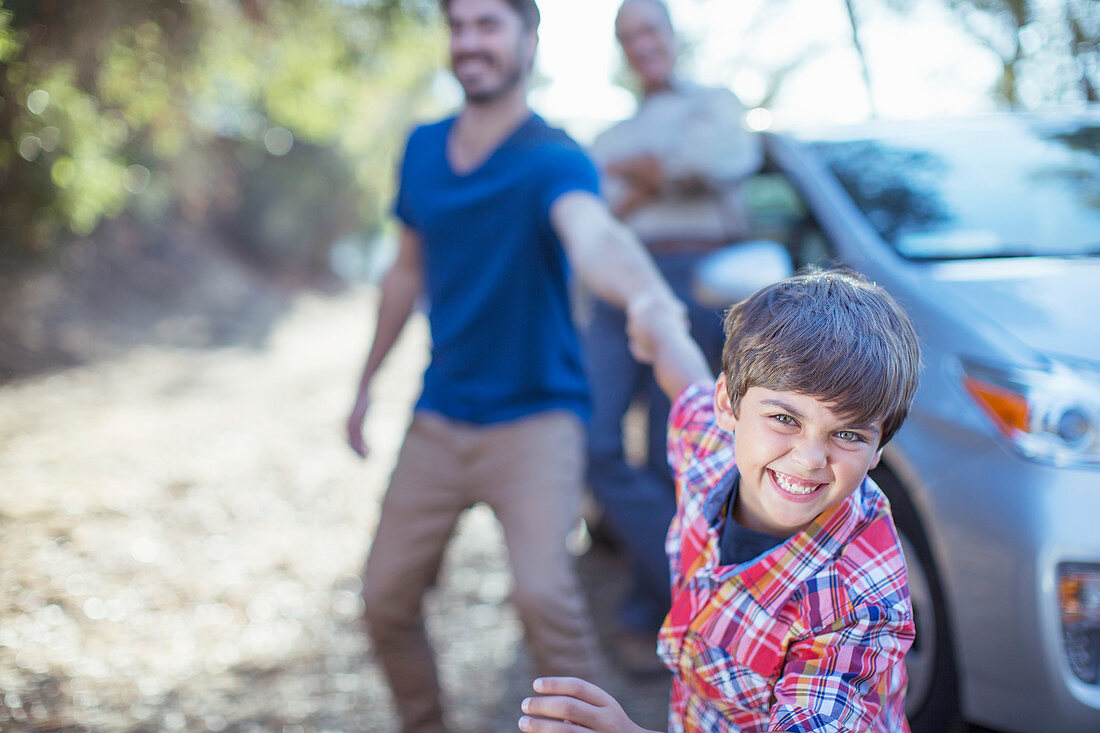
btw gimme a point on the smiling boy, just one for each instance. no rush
(790, 609)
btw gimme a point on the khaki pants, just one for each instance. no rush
(529, 471)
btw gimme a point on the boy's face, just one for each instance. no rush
(797, 457)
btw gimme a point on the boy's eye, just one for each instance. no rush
(785, 419)
(849, 436)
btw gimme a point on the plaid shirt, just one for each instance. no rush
(808, 637)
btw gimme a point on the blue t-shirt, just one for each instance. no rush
(503, 341)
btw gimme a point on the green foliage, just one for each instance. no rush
(10, 43)
(168, 109)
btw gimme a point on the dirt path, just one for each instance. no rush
(181, 533)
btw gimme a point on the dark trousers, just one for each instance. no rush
(638, 501)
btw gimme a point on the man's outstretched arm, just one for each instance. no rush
(607, 257)
(615, 265)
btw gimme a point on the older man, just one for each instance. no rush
(672, 174)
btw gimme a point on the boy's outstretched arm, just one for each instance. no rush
(571, 705)
(660, 336)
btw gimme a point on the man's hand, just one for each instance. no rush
(571, 705)
(660, 335)
(355, 426)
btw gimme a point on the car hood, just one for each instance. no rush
(1049, 304)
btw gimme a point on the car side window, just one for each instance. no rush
(779, 214)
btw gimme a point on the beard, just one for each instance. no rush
(511, 73)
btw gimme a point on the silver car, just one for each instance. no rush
(988, 232)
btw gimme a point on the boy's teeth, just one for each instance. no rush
(794, 486)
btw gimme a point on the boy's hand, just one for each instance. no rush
(660, 335)
(571, 705)
(649, 321)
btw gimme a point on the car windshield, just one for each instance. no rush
(1009, 187)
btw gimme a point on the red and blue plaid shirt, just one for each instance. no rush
(808, 637)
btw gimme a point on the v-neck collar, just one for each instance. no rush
(480, 165)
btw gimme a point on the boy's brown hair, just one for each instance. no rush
(829, 334)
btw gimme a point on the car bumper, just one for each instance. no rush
(1005, 525)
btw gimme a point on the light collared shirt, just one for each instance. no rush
(697, 135)
(808, 637)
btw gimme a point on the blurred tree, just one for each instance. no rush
(772, 75)
(864, 66)
(1048, 49)
(276, 121)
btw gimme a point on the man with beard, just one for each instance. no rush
(495, 207)
(671, 174)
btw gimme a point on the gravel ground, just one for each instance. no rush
(181, 532)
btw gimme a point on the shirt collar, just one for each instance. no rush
(717, 499)
(675, 85)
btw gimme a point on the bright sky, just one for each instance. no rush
(921, 64)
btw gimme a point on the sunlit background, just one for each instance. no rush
(188, 108)
(799, 58)
(796, 58)
(187, 190)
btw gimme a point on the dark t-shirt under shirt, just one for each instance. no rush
(738, 544)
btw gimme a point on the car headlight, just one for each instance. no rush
(1051, 415)
(1079, 603)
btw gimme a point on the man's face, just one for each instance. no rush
(797, 457)
(491, 51)
(648, 43)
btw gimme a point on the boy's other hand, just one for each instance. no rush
(571, 705)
